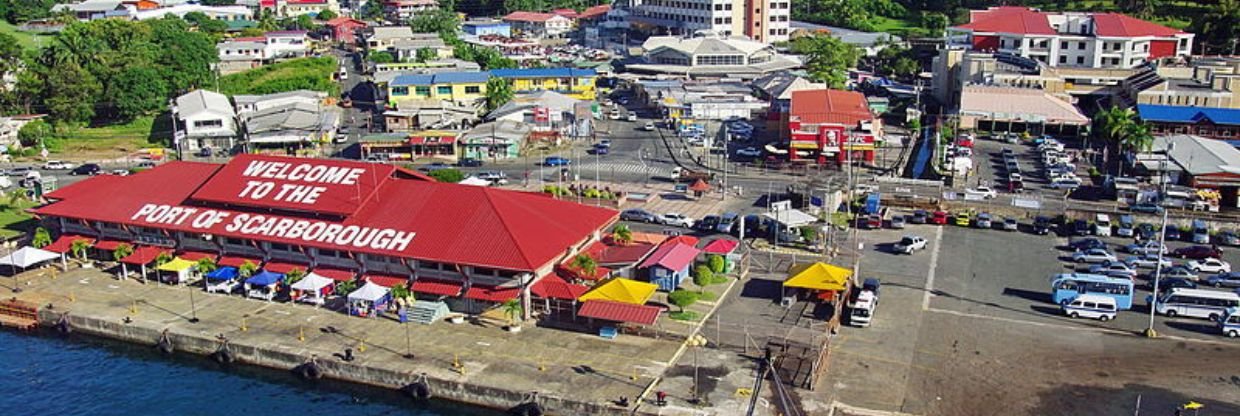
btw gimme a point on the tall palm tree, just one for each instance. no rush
(42, 238)
(1111, 125)
(585, 264)
(1138, 137)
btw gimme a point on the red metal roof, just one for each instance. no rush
(721, 246)
(335, 274)
(1118, 25)
(345, 186)
(109, 245)
(569, 13)
(436, 287)
(620, 312)
(595, 11)
(144, 254)
(478, 226)
(1021, 20)
(529, 16)
(573, 272)
(617, 254)
(283, 268)
(555, 287)
(74, 189)
(672, 255)
(63, 244)
(237, 261)
(342, 20)
(492, 293)
(386, 280)
(195, 255)
(830, 106)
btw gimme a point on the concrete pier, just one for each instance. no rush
(476, 363)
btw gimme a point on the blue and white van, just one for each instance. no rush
(1201, 232)
(1229, 324)
(1098, 307)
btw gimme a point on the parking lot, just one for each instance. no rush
(990, 168)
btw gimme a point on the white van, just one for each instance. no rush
(1197, 303)
(1229, 325)
(1091, 306)
(1066, 182)
(1102, 225)
(862, 309)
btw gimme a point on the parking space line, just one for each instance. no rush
(934, 264)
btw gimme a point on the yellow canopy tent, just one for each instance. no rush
(818, 276)
(177, 265)
(621, 290)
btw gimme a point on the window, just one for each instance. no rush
(1063, 59)
(473, 89)
(1080, 60)
(1063, 45)
(400, 91)
(279, 247)
(1080, 45)
(718, 20)
(727, 6)
(444, 90)
(721, 59)
(202, 124)
(423, 91)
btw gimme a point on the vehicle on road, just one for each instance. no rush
(1147, 261)
(749, 152)
(1211, 265)
(1197, 252)
(1093, 255)
(727, 221)
(599, 149)
(707, 223)
(676, 219)
(939, 218)
(435, 166)
(1069, 183)
(1197, 303)
(1229, 279)
(495, 176)
(1148, 247)
(983, 192)
(910, 243)
(556, 161)
(984, 221)
(89, 169)
(1227, 238)
(1114, 269)
(639, 215)
(1097, 307)
(1042, 225)
(1067, 286)
(604, 143)
(57, 165)
(615, 114)
(469, 162)
(1146, 208)
(896, 222)
(632, 116)
(919, 217)
(19, 171)
(120, 172)
(962, 218)
(1229, 323)
(1010, 224)
(680, 174)
(649, 126)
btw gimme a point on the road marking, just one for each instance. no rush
(1073, 327)
(934, 264)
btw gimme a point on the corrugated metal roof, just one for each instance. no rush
(554, 287)
(1183, 114)
(620, 312)
(441, 78)
(830, 106)
(1118, 25)
(672, 255)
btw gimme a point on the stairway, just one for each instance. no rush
(427, 312)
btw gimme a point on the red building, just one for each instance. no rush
(831, 124)
(344, 29)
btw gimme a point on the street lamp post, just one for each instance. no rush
(1162, 241)
(193, 309)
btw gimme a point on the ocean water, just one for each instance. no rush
(49, 374)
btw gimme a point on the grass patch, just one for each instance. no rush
(707, 296)
(14, 219)
(684, 316)
(27, 40)
(719, 279)
(303, 73)
(144, 132)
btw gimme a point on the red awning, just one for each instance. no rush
(555, 287)
(620, 312)
(195, 255)
(437, 287)
(432, 140)
(492, 293)
(65, 242)
(335, 274)
(109, 245)
(236, 261)
(283, 268)
(386, 280)
(144, 254)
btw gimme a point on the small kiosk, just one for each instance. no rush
(222, 280)
(369, 301)
(176, 271)
(312, 289)
(263, 285)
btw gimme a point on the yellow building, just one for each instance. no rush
(573, 82)
(460, 87)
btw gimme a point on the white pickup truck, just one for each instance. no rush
(909, 244)
(57, 165)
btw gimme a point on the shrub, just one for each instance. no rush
(702, 276)
(716, 263)
(683, 298)
(447, 175)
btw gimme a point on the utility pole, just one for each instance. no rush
(1162, 241)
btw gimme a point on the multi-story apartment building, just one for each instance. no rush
(1070, 39)
(760, 20)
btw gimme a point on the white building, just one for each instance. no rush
(538, 25)
(760, 20)
(204, 119)
(246, 104)
(711, 56)
(225, 13)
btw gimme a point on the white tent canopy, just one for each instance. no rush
(312, 283)
(27, 256)
(791, 218)
(369, 292)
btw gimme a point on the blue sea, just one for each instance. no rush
(49, 374)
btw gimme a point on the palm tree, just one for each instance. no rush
(585, 265)
(206, 265)
(512, 309)
(294, 275)
(1138, 138)
(122, 251)
(499, 92)
(162, 258)
(247, 269)
(78, 248)
(41, 238)
(622, 235)
(1111, 126)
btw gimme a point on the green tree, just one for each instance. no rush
(343, 288)
(441, 21)
(122, 251)
(935, 23)
(218, 2)
(162, 258)
(499, 92)
(34, 133)
(10, 53)
(293, 276)
(247, 269)
(525, 5)
(1111, 126)
(206, 265)
(717, 263)
(827, 59)
(703, 276)
(447, 175)
(41, 238)
(1217, 29)
(512, 310)
(586, 265)
(145, 92)
(1138, 137)
(382, 57)
(622, 234)
(896, 61)
(71, 93)
(683, 298)
(326, 15)
(22, 11)
(185, 58)
(427, 54)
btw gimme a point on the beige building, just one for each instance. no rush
(1206, 82)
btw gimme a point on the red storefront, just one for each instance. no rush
(827, 125)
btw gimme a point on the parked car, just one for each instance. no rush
(919, 217)
(1148, 247)
(1042, 225)
(1146, 208)
(1114, 269)
(1197, 252)
(676, 219)
(1124, 228)
(649, 126)
(1172, 233)
(1229, 279)
(1146, 231)
(1102, 308)
(493, 176)
(1210, 265)
(962, 219)
(469, 162)
(203, 152)
(982, 191)
(435, 166)
(120, 172)
(1010, 224)
(910, 243)
(939, 218)
(639, 215)
(604, 143)
(984, 221)
(897, 222)
(1168, 283)
(727, 221)
(556, 161)
(1147, 261)
(1179, 272)
(632, 116)
(1093, 255)
(57, 165)
(1227, 238)
(19, 171)
(707, 223)
(1086, 243)
(1069, 183)
(1081, 227)
(89, 169)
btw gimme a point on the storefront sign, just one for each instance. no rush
(212, 221)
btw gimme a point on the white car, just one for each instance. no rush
(649, 126)
(120, 172)
(748, 152)
(57, 165)
(497, 177)
(1210, 265)
(983, 191)
(1066, 183)
(632, 116)
(676, 219)
(1051, 145)
(1147, 261)
(909, 244)
(1093, 255)
(1114, 269)
(615, 115)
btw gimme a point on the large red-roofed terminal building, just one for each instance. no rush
(375, 222)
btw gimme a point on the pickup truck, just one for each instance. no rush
(688, 175)
(910, 244)
(57, 165)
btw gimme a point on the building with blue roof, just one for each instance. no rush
(1208, 122)
(458, 87)
(573, 82)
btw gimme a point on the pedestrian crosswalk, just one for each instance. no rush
(607, 168)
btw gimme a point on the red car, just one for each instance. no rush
(1197, 252)
(939, 217)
